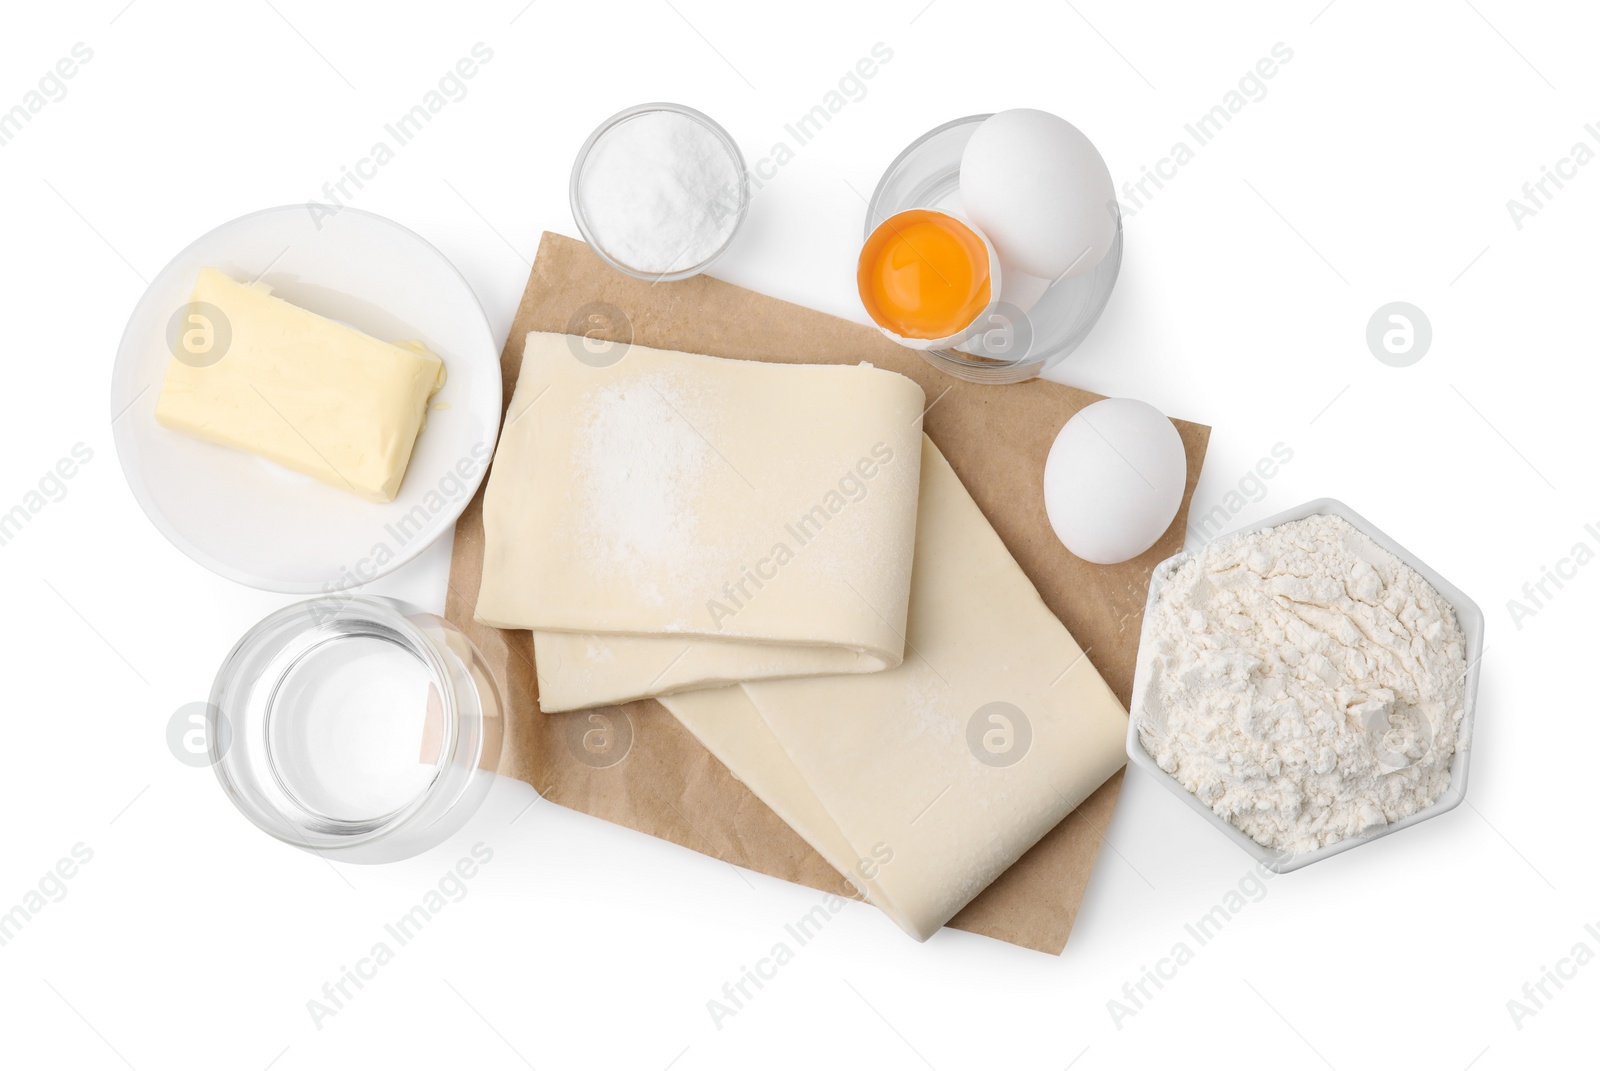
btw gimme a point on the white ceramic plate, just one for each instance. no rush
(258, 523)
(1468, 616)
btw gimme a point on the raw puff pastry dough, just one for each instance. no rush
(667, 521)
(880, 773)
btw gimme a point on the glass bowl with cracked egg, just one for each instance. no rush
(1146, 715)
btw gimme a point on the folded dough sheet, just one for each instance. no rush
(922, 783)
(666, 521)
(781, 555)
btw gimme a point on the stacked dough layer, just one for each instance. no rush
(666, 521)
(779, 553)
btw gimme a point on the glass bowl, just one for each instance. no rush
(355, 727)
(1013, 345)
(740, 194)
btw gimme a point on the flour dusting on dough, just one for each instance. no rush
(642, 466)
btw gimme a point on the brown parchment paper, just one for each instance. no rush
(634, 764)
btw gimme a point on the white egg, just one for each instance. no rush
(1040, 190)
(1114, 480)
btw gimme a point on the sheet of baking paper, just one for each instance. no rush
(634, 764)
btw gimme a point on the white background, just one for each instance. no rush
(1377, 168)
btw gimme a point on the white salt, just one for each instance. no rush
(660, 192)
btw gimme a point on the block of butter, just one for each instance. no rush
(253, 372)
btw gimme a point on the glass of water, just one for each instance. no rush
(355, 726)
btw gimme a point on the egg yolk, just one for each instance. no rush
(923, 274)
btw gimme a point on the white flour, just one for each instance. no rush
(1306, 684)
(642, 466)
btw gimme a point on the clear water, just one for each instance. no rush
(348, 729)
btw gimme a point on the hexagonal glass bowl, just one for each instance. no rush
(1468, 616)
